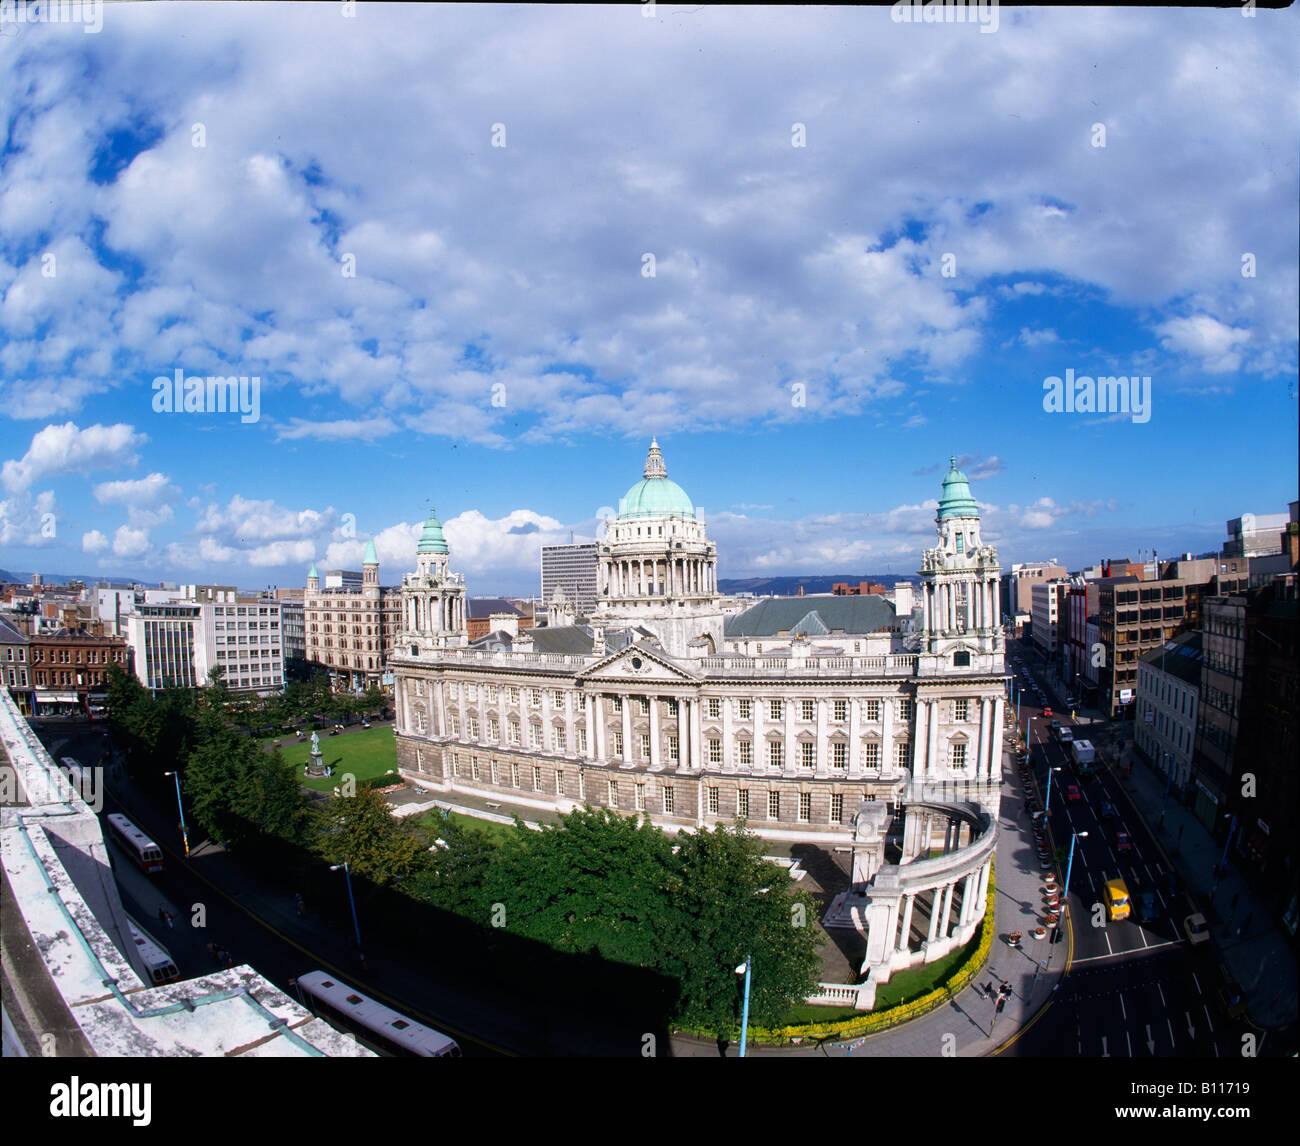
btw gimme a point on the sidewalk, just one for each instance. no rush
(967, 1027)
(1244, 932)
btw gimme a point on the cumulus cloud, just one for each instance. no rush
(67, 448)
(94, 542)
(1218, 345)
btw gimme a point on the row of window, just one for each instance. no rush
(65, 657)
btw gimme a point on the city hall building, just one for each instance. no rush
(792, 714)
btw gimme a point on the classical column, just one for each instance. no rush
(654, 733)
(589, 711)
(932, 739)
(935, 912)
(627, 729)
(822, 763)
(599, 709)
(995, 759)
(693, 720)
(922, 711)
(683, 734)
(947, 910)
(855, 736)
(906, 930)
(982, 748)
(728, 754)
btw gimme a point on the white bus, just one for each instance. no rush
(147, 854)
(381, 1028)
(154, 955)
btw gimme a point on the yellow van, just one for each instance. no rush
(1117, 899)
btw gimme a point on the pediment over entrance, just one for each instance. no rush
(641, 661)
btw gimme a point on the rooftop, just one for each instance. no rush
(819, 616)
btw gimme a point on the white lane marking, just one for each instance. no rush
(1122, 1010)
(1127, 951)
(1199, 989)
(1170, 1024)
(1129, 1041)
(1106, 935)
(1206, 1009)
(1163, 1004)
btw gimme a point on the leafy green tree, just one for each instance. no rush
(456, 877)
(596, 882)
(376, 844)
(730, 904)
(275, 802)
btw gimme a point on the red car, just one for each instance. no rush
(1047, 712)
(1072, 793)
(1122, 841)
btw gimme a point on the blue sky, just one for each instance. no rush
(188, 187)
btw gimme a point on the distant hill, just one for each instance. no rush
(21, 578)
(789, 586)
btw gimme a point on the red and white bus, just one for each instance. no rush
(147, 854)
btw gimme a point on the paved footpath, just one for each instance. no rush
(967, 1026)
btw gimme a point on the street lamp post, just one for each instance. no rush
(185, 835)
(1065, 893)
(356, 927)
(745, 969)
(1047, 799)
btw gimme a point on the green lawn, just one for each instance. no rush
(496, 833)
(364, 752)
(917, 981)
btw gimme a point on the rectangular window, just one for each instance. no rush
(959, 756)
(534, 697)
(841, 710)
(492, 693)
(512, 695)
(959, 709)
(903, 754)
(774, 805)
(473, 727)
(905, 710)
(713, 801)
(872, 755)
(715, 708)
(668, 800)
(775, 754)
(453, 726)
(535, 735)
(471, 692)
(837, 808)
(808, 709)
(559, 738)
(746, 751)
(805, 807)
(559, 781)
(613, 793)
(715, 750)
(616, 703)
(453, 690)
(645, 746)
(473, 766)
(746, 710)
(840, 756)
(514, 775)
(674, 748)
(582, 740)
(808, 755)
(871, 709)
(494, 729)
(640, 797)
(537, 779)
(618, 744)
(742, 803)
(775, 710)
(514, 732)
(644, 705)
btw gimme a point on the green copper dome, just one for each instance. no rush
(654, 495)
(371, 557)
(431, 540)
(312, 571)
(957, 500)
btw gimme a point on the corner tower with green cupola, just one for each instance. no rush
(433, 598)
(657, 568)
(959, 578)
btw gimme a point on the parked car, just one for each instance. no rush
(1198, 931)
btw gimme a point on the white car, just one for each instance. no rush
(1198, 931)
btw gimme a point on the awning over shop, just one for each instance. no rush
(56, 697)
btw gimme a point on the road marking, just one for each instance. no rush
(1170, 1024)
(1151, 1043)
(1199, 989)
(1104, 1052)
(1106, 935)
(1129, 1041)
(1206, 1009)
(1143, 933)
(1162, 1002)
(1122, 1011)
(1126, 951)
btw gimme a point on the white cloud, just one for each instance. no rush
(129, 542)
(94, 542)
(66, 448)
(1217, 345)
